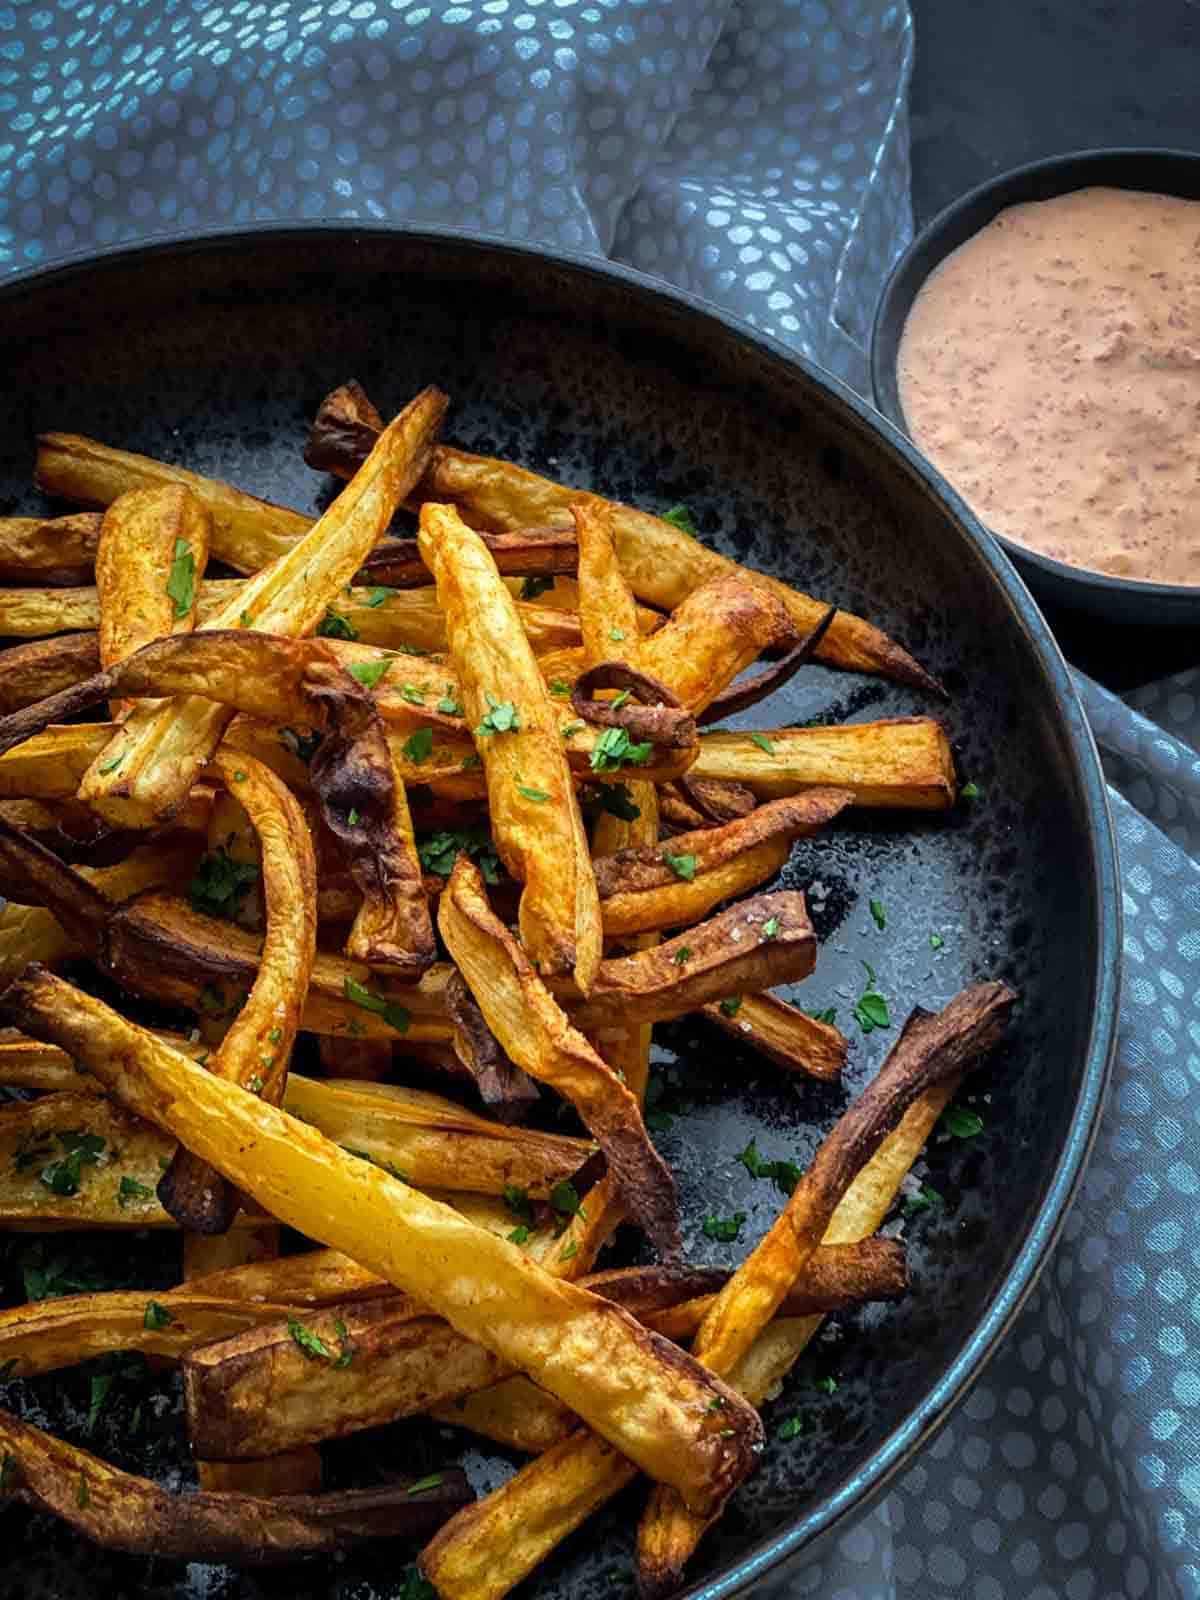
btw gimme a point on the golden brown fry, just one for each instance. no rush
(607, 608)
(515, 1413)
(247, 533)
(535, 817)
(124, 1512)
(784, 1034)
(535, 1034)
(158, 752)
(257, 1047)
(753, 945)
(30, 672)
(50, 765)
(673, 885)
(151, 558)
(903, 762)
(49, 550)
(652, 1401)
(343, 430)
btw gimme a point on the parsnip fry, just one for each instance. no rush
(124, 1512)
(673, 885)
(535, 1033)
(50, 765)
(158, 751)
(151, 558)
(255, 1051)
(654, 1403)
(535, 815)
(904, 762)
(247, 533)
(783, 1033)
(49, 550)
(30, 672)
(607, 608)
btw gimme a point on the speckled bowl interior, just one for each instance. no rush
(214, 355)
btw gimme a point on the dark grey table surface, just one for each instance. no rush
(998, 85)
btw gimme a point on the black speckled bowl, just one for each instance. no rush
(1176, 172)
(215, 351)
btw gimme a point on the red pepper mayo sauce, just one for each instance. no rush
(1050, 368)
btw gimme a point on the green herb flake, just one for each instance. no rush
(440, 851)
(871, 1011)
(680, 517)
(275, 1035)
(717, 1403)
(181, 582)
(246, 620)
(518, 1202)
(615, 798)
(614, 749)
(731, 1005)
(936, 942)
(345, 1346)
(352, 818)
(333, 625)
(503, 717)
(571, 1250)
(101, 1383)
(368, 673)
(156, 1317)
(961, 1123)
(448, 705)
(255, 1084)
(829, 1015)
(415, 1587)
(417, 747)
(617, 635)
(784, 1174)
(535, 585)
(239, 777)
(879, 912)
(129, 1190)
(423, 1485)
(313, 1346)
(414, 696)
(619, 700)
(83, 1150)
(791, 1429)
(970, 791)
(683, 955)
(826, 1385)
(538, 796)
(571, 728)
(519, 1235)
(682, 866)
(763, 743)
(378, 594)
(395, 1016)
(564, 1198)
(770, 929)
(112, 764)
(560, 688)
(724, 1229)
(924, 1200)
(221, 884)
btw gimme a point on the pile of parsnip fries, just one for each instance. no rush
(443, 802)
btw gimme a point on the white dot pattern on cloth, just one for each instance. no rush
(755, 152)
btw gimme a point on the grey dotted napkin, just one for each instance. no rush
(757, 153)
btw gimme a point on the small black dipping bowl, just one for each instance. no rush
(1174, 172)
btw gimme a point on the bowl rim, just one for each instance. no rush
(862, 1487)
(895, 304)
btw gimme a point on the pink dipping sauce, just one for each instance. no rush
(1050, 369)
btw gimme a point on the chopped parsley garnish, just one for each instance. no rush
(221, 884)
(791, 1429)
(416, 748)
(246, 620)
(376, 1161)
(448, 705)
(255, 1084)
(924, 1200)
(275, 1035)
(682, 866)
(181, 583)
(519, 1203)
(570, 728)
(879, 912)
(614, 749)
(725, 1229)
(560, 688)
(731, 1005)
(48, 1280)
(239, 777)
(538, 796)
(871, 1012)
(368, 673)
(333, 625)
(83, 1150)
(352, 818)
(961, 1123)
(763, 743)
(616, 800)
(784, 1174)
(770, 929)
(345, 1347)
(311, 1343)
(680, 517)
(395, 1016)
(535, 585)
(519, 1235)
(503, 717)
(414, 696)
(377, 595)
(571, 1250)
(439, 852)
(970, 791)
(616, 635)
(303, 746)
(828, 1015)
(112, 764)
(157, 1317)
(564, 1198)
(936, 941)
(423, 1485)
(683, 955)
(129, 1190)
(618, 700)
(826, 1385)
